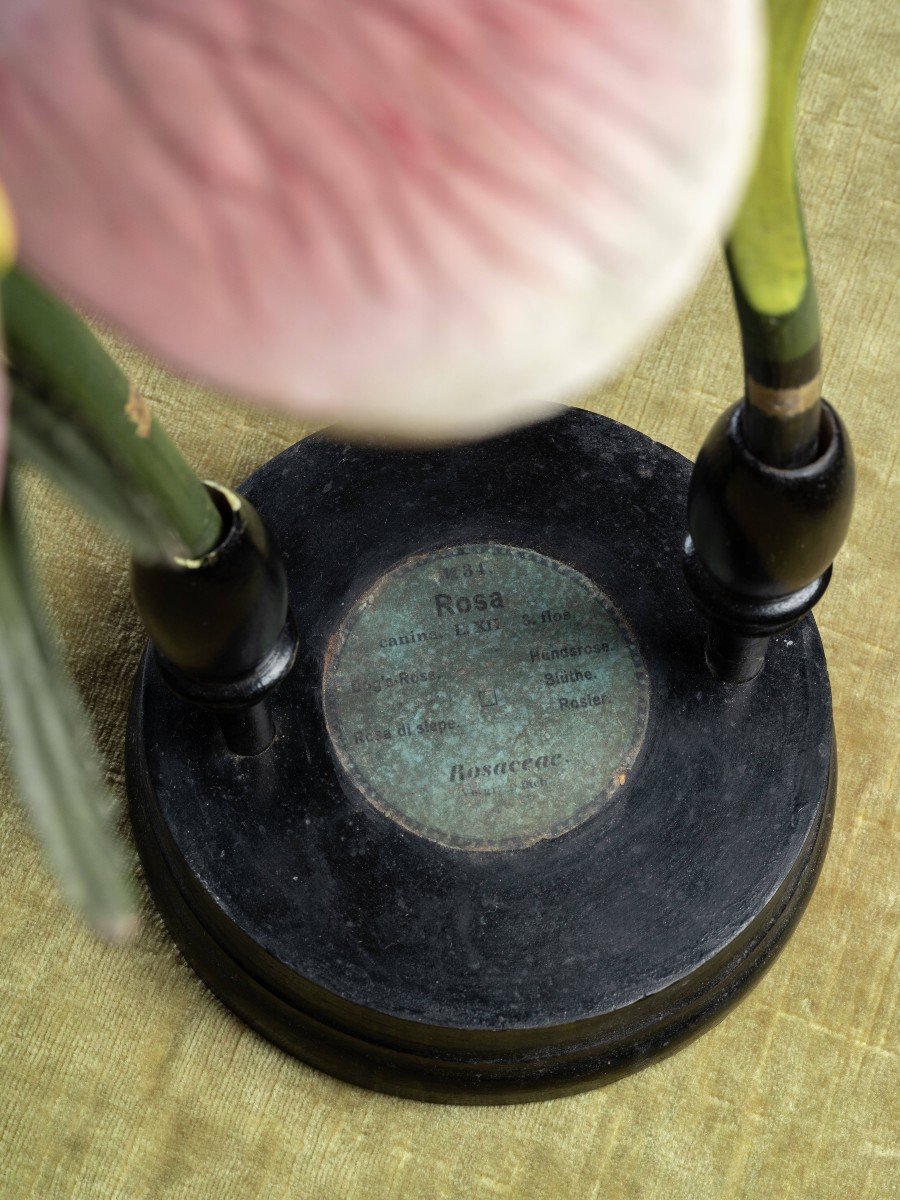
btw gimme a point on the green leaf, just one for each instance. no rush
(60, 778)
(75, 416)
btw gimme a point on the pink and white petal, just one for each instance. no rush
(422, 217)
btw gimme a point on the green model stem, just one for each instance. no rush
(771, 276)
(75, 416)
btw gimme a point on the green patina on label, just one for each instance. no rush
(485, 696)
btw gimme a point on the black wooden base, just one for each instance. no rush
(401, 963)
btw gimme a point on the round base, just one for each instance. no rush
(512, 840)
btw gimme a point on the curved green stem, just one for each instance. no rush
(768, 260)
(75, 416)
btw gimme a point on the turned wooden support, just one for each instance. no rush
(223, 636)
(762, 538)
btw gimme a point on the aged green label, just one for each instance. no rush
(485, 696)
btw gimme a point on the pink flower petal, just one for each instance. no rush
(423, 216)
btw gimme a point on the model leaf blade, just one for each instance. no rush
(60, 778)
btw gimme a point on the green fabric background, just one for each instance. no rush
(121, 1077)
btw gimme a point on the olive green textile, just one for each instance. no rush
(121, 1077)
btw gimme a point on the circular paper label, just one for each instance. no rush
(485, 696)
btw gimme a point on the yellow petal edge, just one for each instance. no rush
(8, 239)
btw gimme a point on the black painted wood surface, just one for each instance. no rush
(401, 964)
